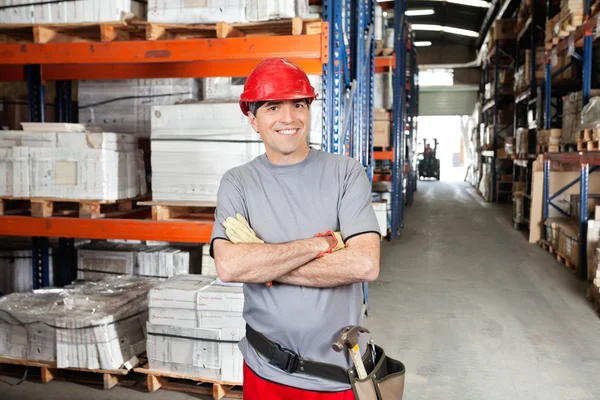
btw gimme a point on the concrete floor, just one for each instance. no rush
(472, 309)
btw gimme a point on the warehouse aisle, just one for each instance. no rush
(475, 312)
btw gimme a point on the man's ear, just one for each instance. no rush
(253, 121)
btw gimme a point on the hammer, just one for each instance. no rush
(349, 339)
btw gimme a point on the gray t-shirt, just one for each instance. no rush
(284, 203)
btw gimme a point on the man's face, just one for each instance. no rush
(283, 126)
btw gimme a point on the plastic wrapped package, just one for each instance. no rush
(69, 11)
(202, 317)
(99, 260)
(16, 274)
(522, 141)
(590, 115)
(125, 105)
(93, 325)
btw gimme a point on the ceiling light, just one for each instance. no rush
(446, 29)
(415, 13)
(422, 44)
(470, 3)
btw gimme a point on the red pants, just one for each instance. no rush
(256, 388)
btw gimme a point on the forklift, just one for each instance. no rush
(429, 164)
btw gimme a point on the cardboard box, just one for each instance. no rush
(568, 242)
(382, 115)
(382, 134)
(575, 199)
(504, 29)
(206, 353)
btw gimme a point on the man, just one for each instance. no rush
(296, 199)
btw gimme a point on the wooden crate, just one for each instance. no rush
(49, 371)
(169, 210)
(218, 389)
(47, 207)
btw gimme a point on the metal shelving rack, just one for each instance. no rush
(495, 61)
(343, 53)
(588, 162)
(529, 101)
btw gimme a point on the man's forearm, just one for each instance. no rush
(358, 263)
(260, 263)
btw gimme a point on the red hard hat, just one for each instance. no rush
(276, 79)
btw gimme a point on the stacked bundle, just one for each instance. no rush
(69, 11)
(202, 319)
(125, 105)
(66, 161)
(232, 11)
(16, 273)
(191, 155)
(93, 326)
(99, 260)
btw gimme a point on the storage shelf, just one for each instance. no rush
(589, 157)
(383, 155)
(130, 229)
(578, 35)
(162, 58)
(488, 153)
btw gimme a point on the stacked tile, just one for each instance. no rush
(93, 325)
(16, 273)
(66, 161)
(100, 260)
(202, 318)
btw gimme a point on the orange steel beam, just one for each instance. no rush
(383, 155)
(12, 73)
(160, 51)
(168, 231)
(385, 62)
(198, 69)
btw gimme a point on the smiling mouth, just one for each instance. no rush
(288, 132)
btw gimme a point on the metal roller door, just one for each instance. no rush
(447, 101)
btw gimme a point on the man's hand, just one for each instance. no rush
(335, 242)
(239, 230)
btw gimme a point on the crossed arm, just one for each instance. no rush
(295, 263)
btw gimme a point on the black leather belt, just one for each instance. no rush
(291, 362)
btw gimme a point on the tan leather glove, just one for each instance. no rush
(238, 230)
(338, 245)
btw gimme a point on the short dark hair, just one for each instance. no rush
(253, 107)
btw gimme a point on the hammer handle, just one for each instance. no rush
(358, 362)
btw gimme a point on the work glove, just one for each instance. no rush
(239, 231)
(338, 245)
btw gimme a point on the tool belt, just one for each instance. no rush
(385, 376)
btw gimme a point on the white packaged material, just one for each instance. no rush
(21, 172)
(197, 11)
(81, 174)
(198, 352)
(208, 263)
(94, 325)
(69, 11)
(29, 138)
(124, 106)
(6, 172)
(100, 260)
(195, 325)
(257, 10)
(381, 214)
(103, 140)
(222, 88)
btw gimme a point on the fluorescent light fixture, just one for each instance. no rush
(469, 3)
(422, 44)
(446, 29)
(416, 13)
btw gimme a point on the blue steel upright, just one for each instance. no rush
(40, 246)
(371, 94)
(398, 127)
(583, 219)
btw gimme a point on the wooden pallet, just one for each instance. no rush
(562, 259)
(48, 207)
(157, 379)
(143, 30)
(169, 210)
(73, 33)
(49, 371)
(546, 245)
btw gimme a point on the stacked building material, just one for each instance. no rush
(16, 272)
(125, 105)
(99, 260)
(92, 325)
(66, 161)
(70, 11)
(202, 319)
(232, 11)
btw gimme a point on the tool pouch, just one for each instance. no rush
(384, 382)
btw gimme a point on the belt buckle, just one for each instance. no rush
(289, 364)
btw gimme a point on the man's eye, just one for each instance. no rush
(273, 108)
(299, 105)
